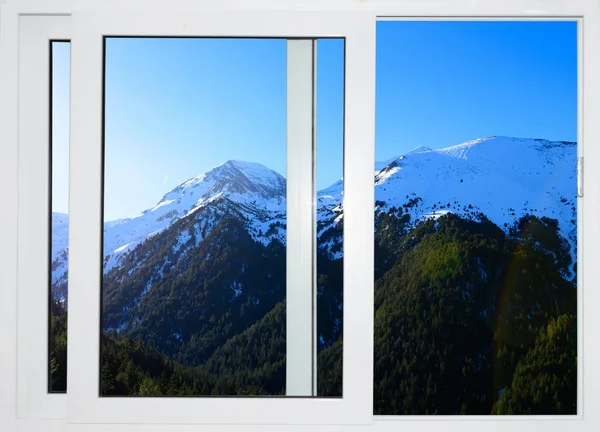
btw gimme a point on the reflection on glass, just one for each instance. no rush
(476, 218)
(59, 222)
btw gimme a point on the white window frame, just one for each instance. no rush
(90, 24)
(586, 15)
(36, 34)
(580, 154)
(588, 11)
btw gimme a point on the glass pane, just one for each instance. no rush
(194, 259)
(476, 218)
(60, 53)
(329, 160)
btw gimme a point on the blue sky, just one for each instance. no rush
(178, 107)
(443, 83)
(61, 76)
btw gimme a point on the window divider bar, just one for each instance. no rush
(300, 242)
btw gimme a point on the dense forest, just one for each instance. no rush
(464, 309)
(469, 319)
(58, 348)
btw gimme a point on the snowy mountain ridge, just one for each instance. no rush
(501, 177)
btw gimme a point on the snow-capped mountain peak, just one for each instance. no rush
(245, 183)
(234, 177)
(416, 150)
(501, 177)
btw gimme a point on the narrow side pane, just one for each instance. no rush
(59, 207)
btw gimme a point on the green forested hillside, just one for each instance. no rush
(469, 319)
(188, 302)
(461, 309)
(544, 381)
(58, 348)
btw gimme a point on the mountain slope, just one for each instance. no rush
(501, 177)
(256, 189)
(203, 281)
(251, 185)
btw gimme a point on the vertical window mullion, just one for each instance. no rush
(300, 351)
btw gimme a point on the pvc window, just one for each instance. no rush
(30, 315)
(103, 40)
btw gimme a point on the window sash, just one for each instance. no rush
(90, 25)
(527, 419)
